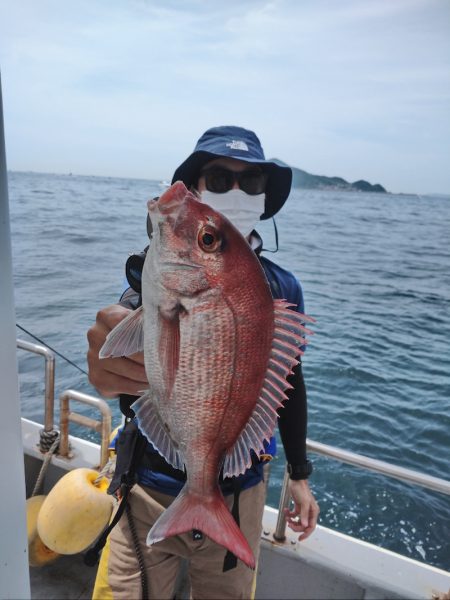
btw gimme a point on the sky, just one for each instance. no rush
(353, 88)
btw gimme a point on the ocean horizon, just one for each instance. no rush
(375, 276)
(166, 180)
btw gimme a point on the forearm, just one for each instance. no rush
(292, 422)
(302, 517)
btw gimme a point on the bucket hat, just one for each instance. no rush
(236, 142)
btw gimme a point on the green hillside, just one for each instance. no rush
(303, 179)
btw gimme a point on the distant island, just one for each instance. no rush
(304, 180)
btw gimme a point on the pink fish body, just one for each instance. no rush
(217, 352)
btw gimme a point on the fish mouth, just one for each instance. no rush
(171, 200)
(179, 266)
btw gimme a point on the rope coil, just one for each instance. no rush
(46, 437)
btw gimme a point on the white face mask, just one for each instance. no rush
(240, 208)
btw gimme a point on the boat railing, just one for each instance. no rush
(364, 462)
(49, 390)
(66, 415)
(104, 428)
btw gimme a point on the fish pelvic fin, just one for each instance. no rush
(288, 340)
(126, 338)
(212, 517)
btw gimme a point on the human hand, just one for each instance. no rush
(303, 517)
(113, 376)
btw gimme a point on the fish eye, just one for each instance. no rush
(209, 239)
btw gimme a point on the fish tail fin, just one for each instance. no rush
(212, 518)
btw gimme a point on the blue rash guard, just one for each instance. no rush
(156, 474)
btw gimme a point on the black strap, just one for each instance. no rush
(125, 402)
(230, 560)
(129, 448)
(276, 239)
(138, 551)
(91, 557)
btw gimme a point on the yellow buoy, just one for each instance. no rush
(75, 512)
(38, 553)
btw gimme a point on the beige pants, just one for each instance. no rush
(119, 575)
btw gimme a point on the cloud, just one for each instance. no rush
(126, 88)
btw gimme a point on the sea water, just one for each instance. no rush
(375, 274)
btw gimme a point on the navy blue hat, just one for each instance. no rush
(236, 142)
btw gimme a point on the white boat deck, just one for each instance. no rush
(328, 565)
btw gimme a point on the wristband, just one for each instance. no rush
(297, 472)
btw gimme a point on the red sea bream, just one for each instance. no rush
(217, 352)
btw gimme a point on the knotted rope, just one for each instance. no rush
(46, 440)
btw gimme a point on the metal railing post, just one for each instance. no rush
(103, 427)
(49, 405)
(280, 530)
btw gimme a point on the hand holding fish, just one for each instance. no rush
(303, 517)
(112, 377)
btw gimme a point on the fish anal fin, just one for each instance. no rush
(288, 334)
(155, 430)
(126, 338)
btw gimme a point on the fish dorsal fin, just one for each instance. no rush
(288, 336)
(150, 423)
(126, 338)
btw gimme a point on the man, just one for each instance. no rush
(229, 172)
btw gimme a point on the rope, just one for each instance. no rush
(47, 439)
(276, 238)
(45, 463)
(107, 471)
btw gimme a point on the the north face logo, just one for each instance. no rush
(237, 145)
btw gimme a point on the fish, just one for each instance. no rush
(217, 351)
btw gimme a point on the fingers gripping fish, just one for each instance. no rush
(217, 352)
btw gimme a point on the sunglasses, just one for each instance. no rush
(220, 180)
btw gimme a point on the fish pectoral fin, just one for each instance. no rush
(156, 430)
(289, 334)
(126, 338)
(169, 348)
